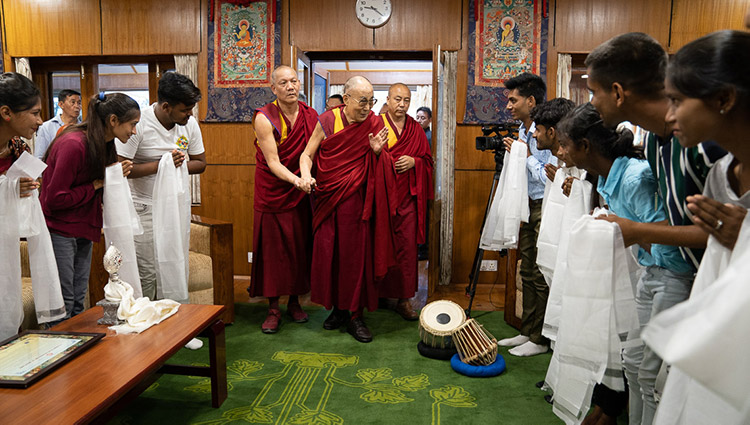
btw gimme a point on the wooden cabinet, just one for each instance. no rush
(695, 18)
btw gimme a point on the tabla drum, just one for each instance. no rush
(438, 320)
(475, 345)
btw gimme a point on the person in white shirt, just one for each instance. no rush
(69, 102)
(167, 126)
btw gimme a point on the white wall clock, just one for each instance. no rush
(374, 13)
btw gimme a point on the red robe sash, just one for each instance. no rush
(418, 180)
(344, 162)
(271, 193)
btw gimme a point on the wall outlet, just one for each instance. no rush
(249, 257)
(488, 266)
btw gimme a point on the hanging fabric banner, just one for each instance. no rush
(244, 46)
(506, 39)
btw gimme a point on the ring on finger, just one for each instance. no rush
(719, 224)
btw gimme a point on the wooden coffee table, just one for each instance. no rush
(93, 386)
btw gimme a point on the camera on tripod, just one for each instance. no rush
(492, 136)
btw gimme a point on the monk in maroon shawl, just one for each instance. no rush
(282, 227)
(355, 200)
(408, 145)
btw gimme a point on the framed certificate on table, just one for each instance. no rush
(28, 356)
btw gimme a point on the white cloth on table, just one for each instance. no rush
(138, 314)
(172, 229)
(598, 311)
(510, 203)
(120, 223)
(706, 340)
(23, 217)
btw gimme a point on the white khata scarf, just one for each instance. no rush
(172, 228)
(706, 340)
(598, 311)
(510, 203)
(24, 218)
(121, 223)
(553, 208)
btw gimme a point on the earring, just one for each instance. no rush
(722, 111)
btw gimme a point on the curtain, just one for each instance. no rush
(444, 123)
(23, 67)
(188, 65)
(564, 70)
(336, 89)
(421, 97)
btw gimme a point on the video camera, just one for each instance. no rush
(492, 136)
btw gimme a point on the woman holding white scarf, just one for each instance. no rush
(709, 90)
(20, 106)
(71, 196)
(628, 187)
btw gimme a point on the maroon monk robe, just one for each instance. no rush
(355, 201)
(282, 226)
(414, 189)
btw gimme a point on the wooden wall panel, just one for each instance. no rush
(229, 143)
(227, 194)
(420, 24)
(136, 27)
(472, 189)
(52, 28)
(695, 18)
(582, 25)
(467, 155)
(327, 25)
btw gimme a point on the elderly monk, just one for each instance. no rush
(354, 204)
(408, 145)
(282, 227)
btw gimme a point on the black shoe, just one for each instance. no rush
(358, 330)
(539, 384)
(548, 398)
(336, 319)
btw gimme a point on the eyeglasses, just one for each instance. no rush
(364, 101)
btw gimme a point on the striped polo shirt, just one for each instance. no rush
(681, 172)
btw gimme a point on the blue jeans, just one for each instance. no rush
(658, 290)
(73, 257)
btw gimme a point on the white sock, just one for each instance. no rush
(194, 344)
(512, 342)
(528, 349)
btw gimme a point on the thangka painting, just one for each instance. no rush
(244, 43)
(506, 39)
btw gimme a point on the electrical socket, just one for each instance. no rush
(488, 266)
(249, 257)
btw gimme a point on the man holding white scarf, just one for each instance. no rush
(166, 132)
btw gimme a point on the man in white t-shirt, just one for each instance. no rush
(165, 126)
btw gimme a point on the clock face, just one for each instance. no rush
(373, 13)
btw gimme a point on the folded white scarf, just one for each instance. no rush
(24, 218)
(121, 223)
(172, 228)
(510, 203)
(598, 309)
(138, 314)
(706, 339)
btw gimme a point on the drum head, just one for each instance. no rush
(442, 316)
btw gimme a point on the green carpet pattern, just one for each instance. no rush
(307, 375)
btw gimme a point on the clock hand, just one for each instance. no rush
(373, 8)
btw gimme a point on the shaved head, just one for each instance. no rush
(279, 69)
(398, 101)
(396, 87)
(358, 98)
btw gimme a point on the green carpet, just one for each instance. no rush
(307, 375)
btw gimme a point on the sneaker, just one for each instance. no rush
(296, 313)
(271, 324)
